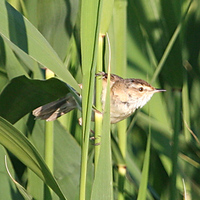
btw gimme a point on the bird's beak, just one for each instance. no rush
(159, 90)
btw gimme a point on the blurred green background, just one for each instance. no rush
(158, 41)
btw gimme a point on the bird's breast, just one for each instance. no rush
(120, 110)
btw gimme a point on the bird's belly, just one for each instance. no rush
(120, 111)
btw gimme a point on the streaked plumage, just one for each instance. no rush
(126, 95)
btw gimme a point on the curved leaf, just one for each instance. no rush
(25, 39)
(20, 146)
(18, 94)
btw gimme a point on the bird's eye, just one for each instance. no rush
(141, 89)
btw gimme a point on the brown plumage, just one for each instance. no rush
(126, 95)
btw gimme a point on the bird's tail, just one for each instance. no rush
(55, 109)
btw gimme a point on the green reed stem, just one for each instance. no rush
(98, 115)
(175, 147)
(119, 20)
(49, 143)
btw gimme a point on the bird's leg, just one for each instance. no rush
(92, 137)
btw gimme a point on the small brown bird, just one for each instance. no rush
(126, 95)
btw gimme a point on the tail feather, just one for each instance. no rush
(55, 109)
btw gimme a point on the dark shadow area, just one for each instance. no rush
(17, 29)
(144, 30)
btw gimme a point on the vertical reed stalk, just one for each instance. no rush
(98, 116)
(90, 19)
(175, 147)
(120, 24)
(49, 143)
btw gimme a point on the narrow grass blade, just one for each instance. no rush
(8, 189)
(107, 12)
(90, 22)
(22, 190)
(186, 109)
(98, 94)
(119, 52)
(19, 145)
(175, 146)
(170, 44)
(145, 171)
(103, 186)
